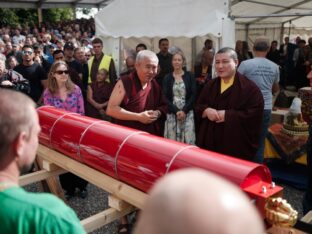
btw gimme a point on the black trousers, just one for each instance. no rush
(70, 182)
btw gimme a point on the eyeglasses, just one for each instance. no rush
(27, 52)
(62, 72)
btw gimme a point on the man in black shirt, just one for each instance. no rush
(75, 68)
(34, 73)
(165, 60)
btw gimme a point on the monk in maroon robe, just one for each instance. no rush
(230, 108)
(98, 95)
(137, 100)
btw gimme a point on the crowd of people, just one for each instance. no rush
(68, 68)
(293, 58)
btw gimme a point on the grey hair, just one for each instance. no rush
(146, 54)
(230, 51)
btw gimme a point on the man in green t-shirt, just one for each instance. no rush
(21, 211)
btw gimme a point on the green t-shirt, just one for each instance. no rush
(22, 212)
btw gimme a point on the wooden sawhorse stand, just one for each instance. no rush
(123, 199)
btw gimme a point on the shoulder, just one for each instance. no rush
(47, 92)
(272, 64)
(167, 77)
(77, 89)
(211, 84)
(107, 57)
(155, 85)
(246, 84)
(188, 74)
(46, 203)
(126, 78)
(246, 63)
(18, 67)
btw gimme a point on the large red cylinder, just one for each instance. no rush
(136, 157)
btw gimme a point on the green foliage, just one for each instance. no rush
(27, 16)
(8, 17)
(14, 17)
(57, 14)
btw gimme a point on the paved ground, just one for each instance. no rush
(97, 201)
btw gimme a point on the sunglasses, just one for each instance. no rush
(27, 52)
(62, 72)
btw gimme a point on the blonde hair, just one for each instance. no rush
(52, 84)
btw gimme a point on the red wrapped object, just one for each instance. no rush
(139, 158)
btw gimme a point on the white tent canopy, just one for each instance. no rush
(275, 19)
(270, 13)
(186, 23)
(150, 18)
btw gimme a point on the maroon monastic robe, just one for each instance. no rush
(243, 103)
(101, 92)
(138, 100)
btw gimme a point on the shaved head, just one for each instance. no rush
(198, 202)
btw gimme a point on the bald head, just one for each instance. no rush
(195, 201)
(17, 113)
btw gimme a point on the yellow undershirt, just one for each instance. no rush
(228, 84)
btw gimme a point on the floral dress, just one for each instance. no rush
(72, 103)
(177, 130)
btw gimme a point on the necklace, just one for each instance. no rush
(5, 185)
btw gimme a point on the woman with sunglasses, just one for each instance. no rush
(61, 91)
(64, 94)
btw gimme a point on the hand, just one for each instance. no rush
(99, 106)
(201, 80)
(211, 114)
(102, 112)
(7, 83)
(181, 116)
(157, 113)
(147, 117)
(221, 114)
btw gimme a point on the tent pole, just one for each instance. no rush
(247, 32)
(282, 33)
(289, 28)
(194, 53)
(39, 13)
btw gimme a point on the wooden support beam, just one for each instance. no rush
(117, 188)
(117, 204)
(49, 166)
(123, 199)
(307, 218)
(39, 176)
(51, 184)
(105, 217)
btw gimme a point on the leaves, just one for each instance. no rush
(14, 17)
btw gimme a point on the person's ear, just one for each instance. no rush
(19, 144)
(137, 65)
(236, 62)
